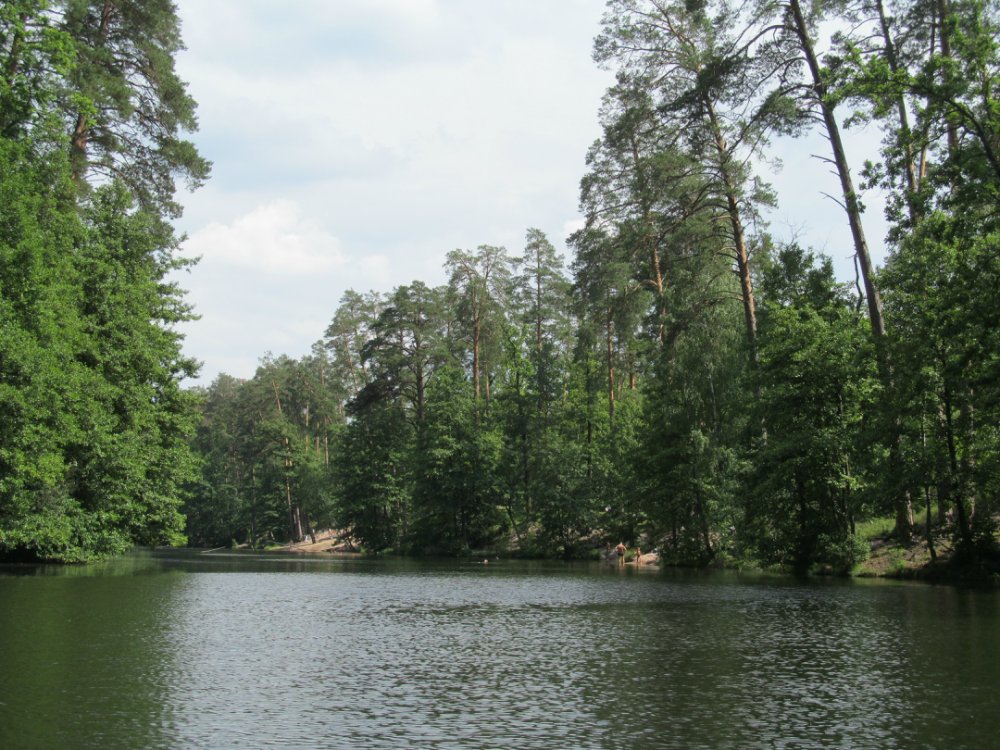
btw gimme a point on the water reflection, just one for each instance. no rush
(83, 661)
(226, 651)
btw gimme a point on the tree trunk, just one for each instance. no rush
(13, 63)
(912, 179)
(852, 206)
(650, 240)
(611, 368)
(81, 130)
(475, 356)
(421, 394)
(964, 530)
(928, 526)
(967, 465)
(941, 468)
(739, 236)
(943, 13)
(538, 302)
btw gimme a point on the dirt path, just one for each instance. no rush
(328, 540)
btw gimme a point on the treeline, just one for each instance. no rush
(95, 429)
(691, 379)
(696, 381)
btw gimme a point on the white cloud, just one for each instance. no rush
(273, 238)
(356, 142)
(375, 267)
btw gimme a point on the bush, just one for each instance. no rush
(841, 553)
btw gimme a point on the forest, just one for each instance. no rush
(687, 379)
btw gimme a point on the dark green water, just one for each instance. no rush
(182, 650)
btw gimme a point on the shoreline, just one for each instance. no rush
(887, 560)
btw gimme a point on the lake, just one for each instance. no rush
(187, 650)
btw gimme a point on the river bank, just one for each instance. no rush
(887, 558)
(335, 542)
(915, 561)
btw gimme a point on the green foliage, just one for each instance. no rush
(35, 56)
(457, 495)
(267, 449)
(698, 386)
(815, 373)
(372, 477)
(692, 458)
(124, 104)
(95, 429)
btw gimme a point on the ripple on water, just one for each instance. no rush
(311, 654)
(498, 660)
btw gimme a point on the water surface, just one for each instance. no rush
(182, 650)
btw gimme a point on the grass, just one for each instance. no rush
(891, 559)
(875, 528)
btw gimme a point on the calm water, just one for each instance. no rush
(216, 651)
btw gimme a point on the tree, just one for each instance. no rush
(125, 105)
(219, 510)
(44, 388)
(96, 425)
(480, 283)
(458, 492)
(691, 463)
(96, 449)
(136, 464)
(816, 382)
(820, 97)
(373, 472)
(346, 336)
(407, 343)
(704, 80)
(934, 65)
(536, 355)
(942, 278)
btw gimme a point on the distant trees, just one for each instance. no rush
(418, 458)
(697, 382)
(266, 445)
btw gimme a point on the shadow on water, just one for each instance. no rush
(83, 658)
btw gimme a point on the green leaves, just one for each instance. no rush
(138, 105)
(94, 428)
(652, 398)
(816, 372)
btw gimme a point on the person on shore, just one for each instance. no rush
(620, 550)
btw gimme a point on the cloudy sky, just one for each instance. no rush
(356, 142)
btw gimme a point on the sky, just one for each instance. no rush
(356, 142)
